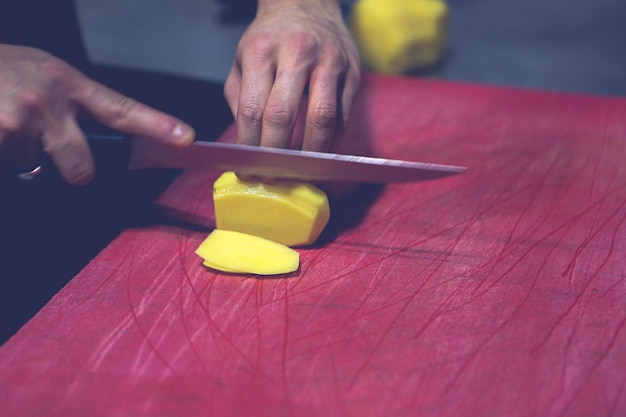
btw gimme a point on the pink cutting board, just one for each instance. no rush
(499, 292)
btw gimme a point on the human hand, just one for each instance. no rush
(40, 100)
(291, 48)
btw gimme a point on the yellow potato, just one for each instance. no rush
(236, 252)
(288, 212)
(398, 36)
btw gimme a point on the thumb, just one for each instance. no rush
(125, 114)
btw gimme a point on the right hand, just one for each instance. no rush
(294, 51)
(40, 99)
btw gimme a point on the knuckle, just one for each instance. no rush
(263, 45)
(337, 57)
(323, 116)
(59, 75)
(123, 107)
(304, 47)
(79, 173)
(278, 115)
(9, 124)
(32, 100)
(303, 42)
(54, 70)
(251, 114)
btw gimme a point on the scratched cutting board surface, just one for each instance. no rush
(497, 292)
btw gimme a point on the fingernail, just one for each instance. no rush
(184, 132)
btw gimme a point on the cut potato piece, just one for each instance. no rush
(288, 212)
(221, 268)
(236, 252)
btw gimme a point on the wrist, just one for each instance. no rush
(268, 5)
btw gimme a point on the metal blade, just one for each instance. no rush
(283, 163)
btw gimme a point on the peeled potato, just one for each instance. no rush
(399, 36)
(236, 252)
(287, 212)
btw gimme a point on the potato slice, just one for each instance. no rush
(288, 212)
(221, 268)
(236, 252)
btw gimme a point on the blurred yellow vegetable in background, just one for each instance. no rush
(399, 36)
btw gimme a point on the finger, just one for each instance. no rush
(282, 107)
(232, 88)
(348, 94)
(321, 116)
(123, 113)
(257, 78)
(70, 152)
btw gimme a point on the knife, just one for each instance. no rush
(278, 163)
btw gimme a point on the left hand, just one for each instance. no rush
(291, 48)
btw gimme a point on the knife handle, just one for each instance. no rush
(110, 148)
(95, 132)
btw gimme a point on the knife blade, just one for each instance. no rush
(267, 162)
(283, 163)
